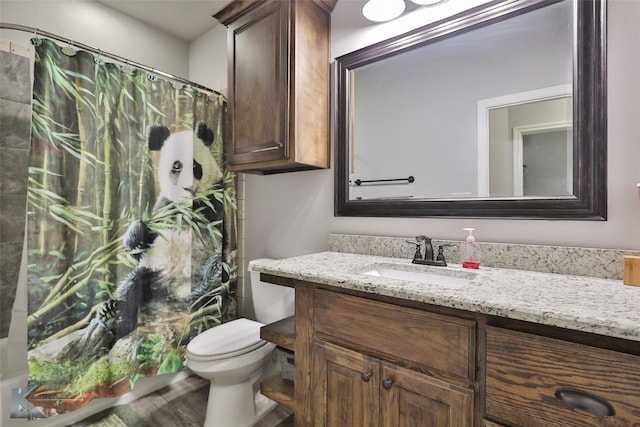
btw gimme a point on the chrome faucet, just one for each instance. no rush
(428, 258)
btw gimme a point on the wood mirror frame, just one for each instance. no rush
(589, 201)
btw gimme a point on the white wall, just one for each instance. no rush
(91, 23)
(208, 59)
(291, 214)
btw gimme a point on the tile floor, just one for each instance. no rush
(182, 404)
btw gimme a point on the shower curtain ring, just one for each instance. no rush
(126, 68)
(35, 40)
(68, 49)
(98, 59)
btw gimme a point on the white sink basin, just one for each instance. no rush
(420, 277)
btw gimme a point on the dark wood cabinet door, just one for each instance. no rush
(258, 77)
(435, 342)
(278, 80)
(409, 398)
(346, 387)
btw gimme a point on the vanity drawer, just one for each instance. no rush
(525, 372)
(429, 340)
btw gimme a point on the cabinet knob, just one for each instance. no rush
(366, 376)
(387, 384)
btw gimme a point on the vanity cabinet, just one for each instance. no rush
(487, 423)
(365, 359)
(354, 389)
(377, 364)
(536, 381)
(282, 334)
(278, 84)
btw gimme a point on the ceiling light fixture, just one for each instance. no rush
(383, 10)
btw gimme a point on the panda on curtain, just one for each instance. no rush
(176, 268)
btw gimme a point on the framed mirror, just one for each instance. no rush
(499, 111)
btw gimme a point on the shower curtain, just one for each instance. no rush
(131, 240)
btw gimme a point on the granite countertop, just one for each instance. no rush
(600, 306)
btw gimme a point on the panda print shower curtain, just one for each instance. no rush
(131, 226)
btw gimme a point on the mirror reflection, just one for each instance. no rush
(530, 148)
(484, 114)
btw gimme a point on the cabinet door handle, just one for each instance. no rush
(387, 384)
(586, 401)
(275, 147)
(366, 376)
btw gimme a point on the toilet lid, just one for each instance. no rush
(227, 340)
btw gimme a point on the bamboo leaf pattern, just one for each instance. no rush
(90, 177)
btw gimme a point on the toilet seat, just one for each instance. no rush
(225, 341)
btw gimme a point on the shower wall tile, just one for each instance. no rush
(6, 301)
(13, 171)
(15, 124)
(242, 273)
(15, 84)
(12, 218)
(15, 48)
(241, 207)
(240, 187)
(15, 127)
(10, 255)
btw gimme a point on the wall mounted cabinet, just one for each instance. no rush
(278, 84)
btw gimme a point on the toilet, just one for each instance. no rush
(233, 358)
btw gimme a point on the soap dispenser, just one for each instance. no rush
(470, 251)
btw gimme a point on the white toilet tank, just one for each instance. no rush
(270, 302)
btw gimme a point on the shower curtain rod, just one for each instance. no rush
(37, 32)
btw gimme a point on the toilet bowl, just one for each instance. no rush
(232, 356)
